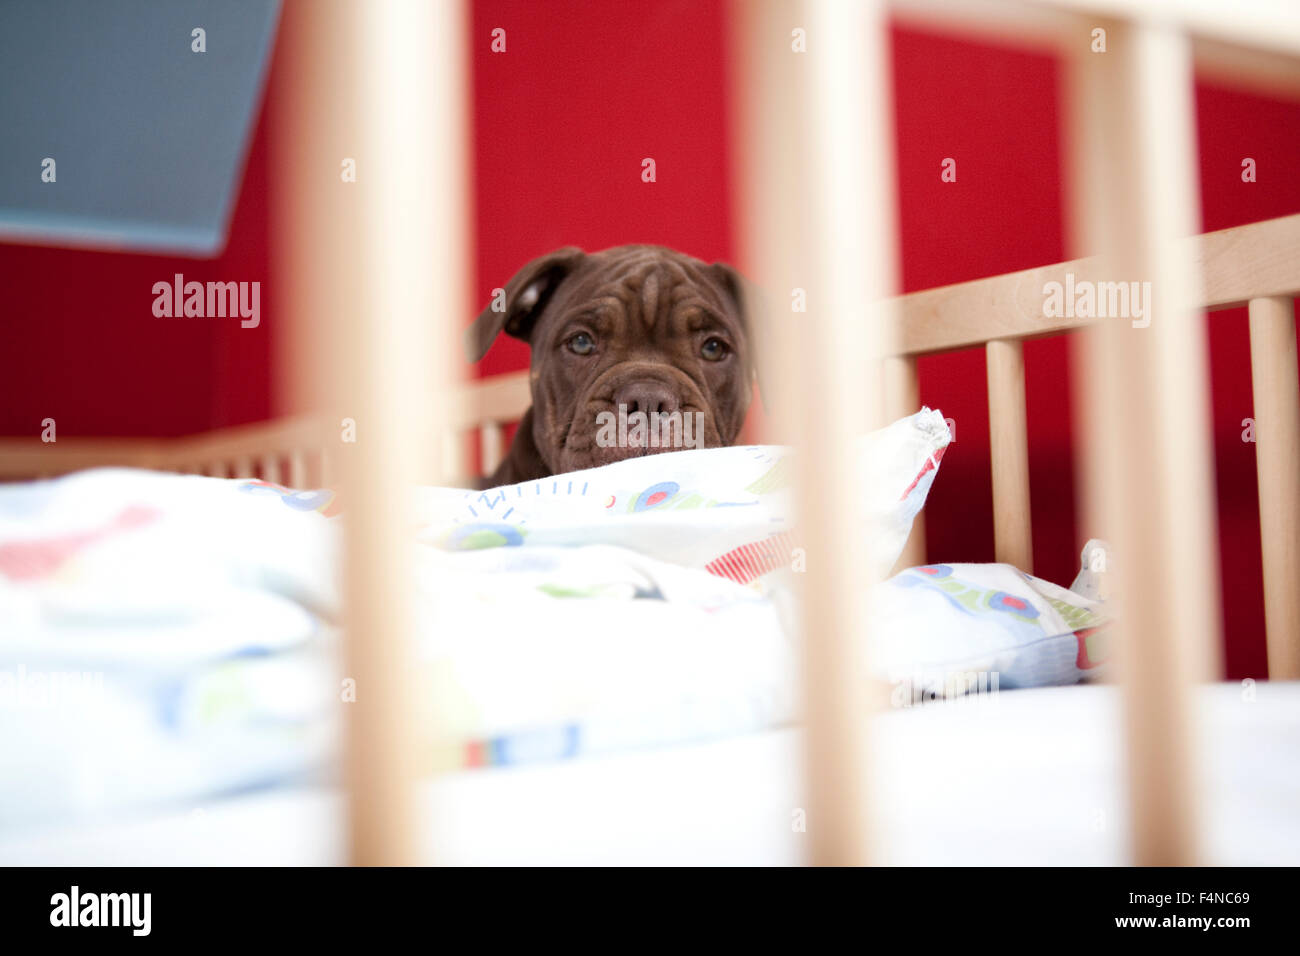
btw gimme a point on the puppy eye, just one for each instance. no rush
(581, 344)
(715, 350)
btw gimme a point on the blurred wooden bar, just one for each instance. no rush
(770, 190)
(298, 469)
(491, 447)
(1009, 453)
(817, 217)
(1277, 455)
(1144, 396)
(375, 275)
(852, 266)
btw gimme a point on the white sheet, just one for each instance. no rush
(1023, 777)
(184, 621)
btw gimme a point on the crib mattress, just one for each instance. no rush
(1023, 777)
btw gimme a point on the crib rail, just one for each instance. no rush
(288, 451)
(298, 452)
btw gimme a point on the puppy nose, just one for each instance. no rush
(647, 397)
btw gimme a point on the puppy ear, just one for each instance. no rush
(750, 305)
(515, 308)
(740, 289)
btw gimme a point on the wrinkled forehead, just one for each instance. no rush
(648, 283)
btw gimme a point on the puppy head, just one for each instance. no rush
(643, 327)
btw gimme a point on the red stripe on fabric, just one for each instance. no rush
(747, 562)
(930, 463)
(723, 570)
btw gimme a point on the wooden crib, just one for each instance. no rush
(296, 452)
(800, 226)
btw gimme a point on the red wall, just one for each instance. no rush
(79, 342)
(563, 120)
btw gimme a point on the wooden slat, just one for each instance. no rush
(1277, 456)
(197, 454)
(991, 21)
(22, 458)
(1262, 72)
(283, 433)
(852, 264)
(411, 76)
(774, 87)
(769, 195)
(454, 459)
(491, 446)
(1268, 32)
(269, 466)
(1259, 259)
(1147, 465)
(1270, 25)
(298, 469)
(1009, 453)
(902, 398)
(1247, 262)
(501, 398)
(382, 84)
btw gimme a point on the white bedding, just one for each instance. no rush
(1023, 777)
(612, 648)
(180, 626)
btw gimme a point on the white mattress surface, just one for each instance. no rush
(1021, 777)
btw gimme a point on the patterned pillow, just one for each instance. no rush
(942, 630)
(728, 510)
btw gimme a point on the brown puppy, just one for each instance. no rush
(642, 327)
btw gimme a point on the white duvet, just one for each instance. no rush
(164, 636)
